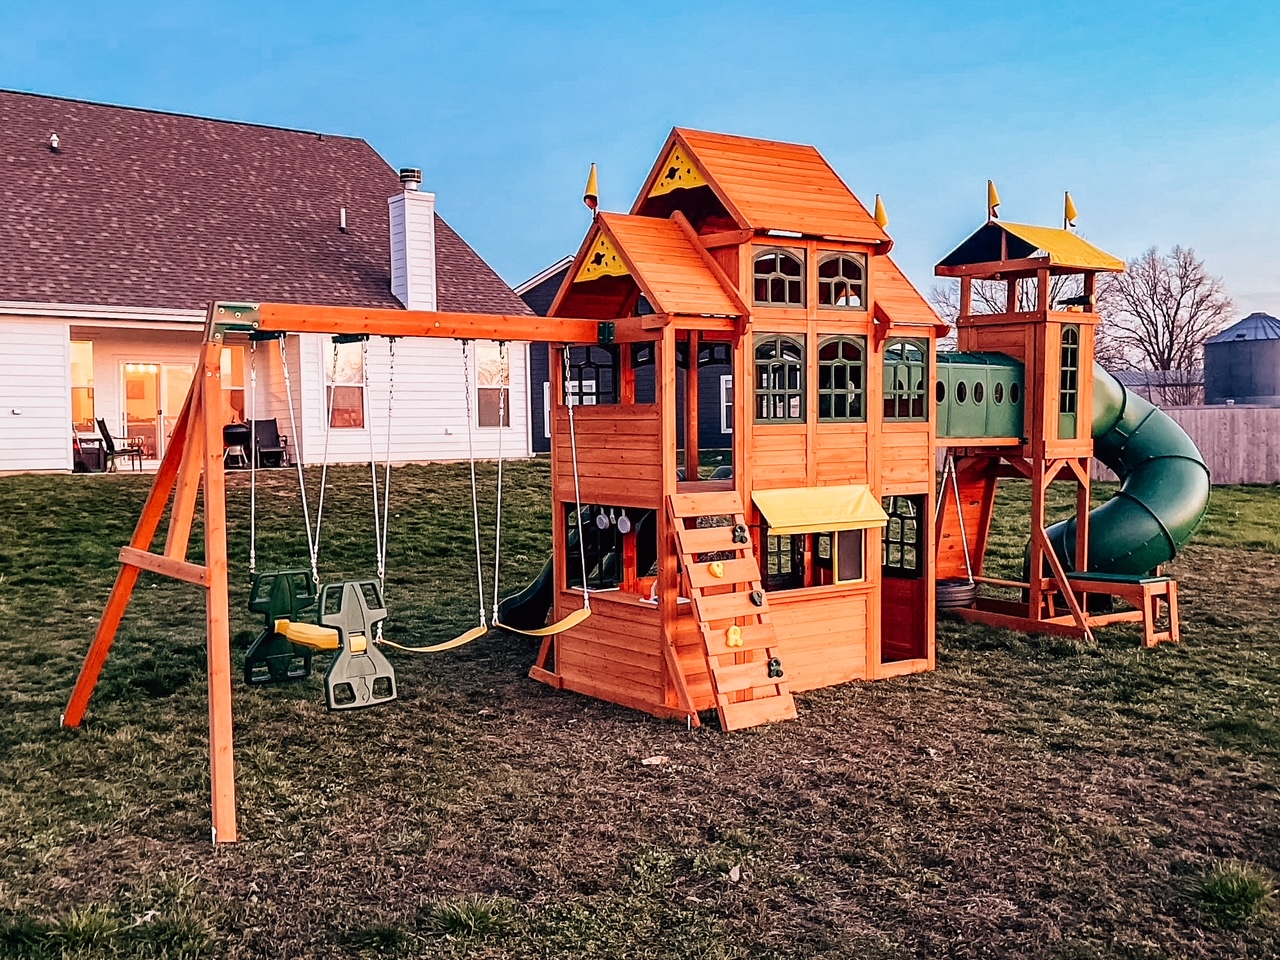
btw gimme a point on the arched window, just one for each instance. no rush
(906, 372)
(841, 371)
(1069, 383)
(842, 282)
(779, 379)
(779, 279)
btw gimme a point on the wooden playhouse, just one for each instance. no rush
(804, 560)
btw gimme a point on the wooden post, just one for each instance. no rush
(188, 486)
(691, 455)
(217, 612)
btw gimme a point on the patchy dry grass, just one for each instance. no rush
(1031, 798)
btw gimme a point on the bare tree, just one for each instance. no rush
(1159, 313)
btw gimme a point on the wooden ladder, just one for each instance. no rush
(746, 695)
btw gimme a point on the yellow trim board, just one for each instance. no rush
(678, 173)
(602, 261)
(793, 510)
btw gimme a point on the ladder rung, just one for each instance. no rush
(708, 540)
(713, 504)
(755, 636)
(744, 676)
(727, 606)
(742, 570)
(752, 713)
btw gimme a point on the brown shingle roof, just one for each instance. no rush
(147, 209)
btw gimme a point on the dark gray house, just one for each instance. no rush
(715, 374)
(1242, 363)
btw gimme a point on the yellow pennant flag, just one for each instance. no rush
(882, 218)
(993, 201)
(591, 195)
(1069, 212)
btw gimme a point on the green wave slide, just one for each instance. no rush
(1164, 486)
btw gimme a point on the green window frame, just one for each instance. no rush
(780, 379)
(906, 379)
(902, 548)
(779, 278)
(1069, 383)
(842, 281)
(842, 365)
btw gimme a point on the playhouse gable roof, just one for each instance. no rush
(999, 240)
(661, 257)
(146, 209)
(764, 184)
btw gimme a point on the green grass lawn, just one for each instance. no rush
(1031, 798)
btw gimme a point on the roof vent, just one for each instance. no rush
(410, 177)
(53, 142)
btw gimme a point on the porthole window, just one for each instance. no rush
(842, 281)
(977, 393)
(1015, 394)
(941, 391)
(962, 392)
(779, 279)
(997, 393)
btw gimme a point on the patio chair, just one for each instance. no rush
(111, 452)
(273, 449)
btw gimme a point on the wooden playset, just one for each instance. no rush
(810, 558)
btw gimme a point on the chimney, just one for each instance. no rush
(413, 243)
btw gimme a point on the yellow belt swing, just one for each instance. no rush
(483, 626)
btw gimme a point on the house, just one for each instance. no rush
(119, 226)
(715, 378)
(1165, 388)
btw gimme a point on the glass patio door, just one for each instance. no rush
(153, 397)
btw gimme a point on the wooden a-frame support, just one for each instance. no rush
(194, 453)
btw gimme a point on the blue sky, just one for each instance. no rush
(1162, 119)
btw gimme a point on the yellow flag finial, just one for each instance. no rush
(1068, 212)
(993, 201)
(591, 195)
(882, 218)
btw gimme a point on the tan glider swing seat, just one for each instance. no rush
(309, 635)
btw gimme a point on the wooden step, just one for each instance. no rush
(726, 606)
(752, 713)
(742, 570)
(755, 636)
(708, 540)
(754, 675)
(717, 503)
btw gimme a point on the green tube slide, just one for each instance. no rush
(1164, 486)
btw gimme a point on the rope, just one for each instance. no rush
(253, 456)
(297, 459)
(577, 492)
(503, 360)
(475, 500)
(373, 477)
(386, 478)
(324, 470)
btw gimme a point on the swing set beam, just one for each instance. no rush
(193, 461)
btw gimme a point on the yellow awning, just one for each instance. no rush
(819, 509)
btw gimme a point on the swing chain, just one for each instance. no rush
(253, 456)
(577, 492)
(471, 458)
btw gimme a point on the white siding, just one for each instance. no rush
(429, 418)
(35, 395)
(112, 349)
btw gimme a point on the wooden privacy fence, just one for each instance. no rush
(1240, 444)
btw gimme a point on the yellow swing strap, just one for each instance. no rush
(572, 620)
(475, 633)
